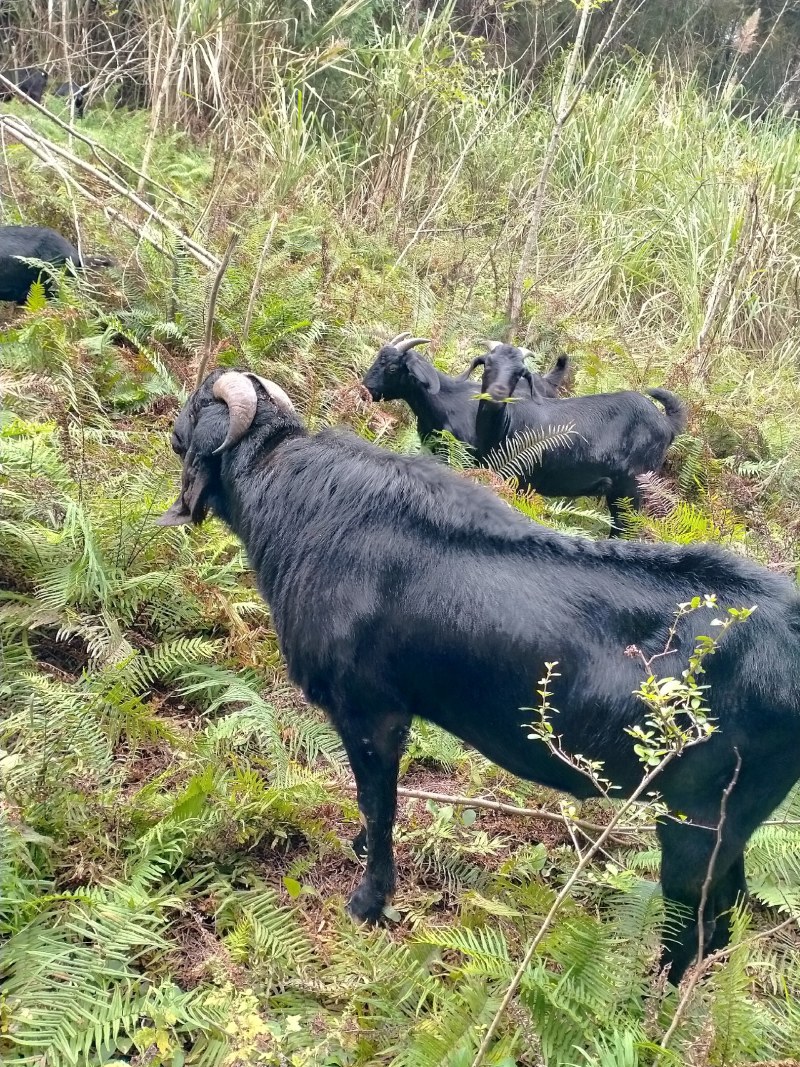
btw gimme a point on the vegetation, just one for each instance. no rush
(175, 822)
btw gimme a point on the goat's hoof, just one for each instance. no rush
(365, 905)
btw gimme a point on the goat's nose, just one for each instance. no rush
(498, 392)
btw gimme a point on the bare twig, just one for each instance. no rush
(700, 968)
(507, 809)
(698, 971)
(30, 138)
(723, 811)
(459, 801)
(212, 304)
(257, 277)
(641, 789)
(98, 150)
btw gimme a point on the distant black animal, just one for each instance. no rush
(614, 436)
(398, 588)
(78, 93)
(36, 242)
(30, 80)
(440, 402)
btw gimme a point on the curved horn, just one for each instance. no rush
(478, 361)
(492, 345)
(238, 392)
(400, 337)
(278, 397)
(526, 352)
(412, 342)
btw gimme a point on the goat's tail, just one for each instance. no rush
(560, 372)
(674, 408)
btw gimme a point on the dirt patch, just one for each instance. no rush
(69, 656)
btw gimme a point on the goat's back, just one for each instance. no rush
(394, 583)
(37, 242)
(590, 440)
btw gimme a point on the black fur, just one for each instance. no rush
(31, 80)
(398, 588)
(616, 436)
(439, 401)
(36, 242)
(78, 94)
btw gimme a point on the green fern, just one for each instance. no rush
(513, 457)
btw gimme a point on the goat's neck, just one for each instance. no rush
(242, 497)
(492, 425)
(432, 410)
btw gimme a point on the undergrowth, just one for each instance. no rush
(174, 848)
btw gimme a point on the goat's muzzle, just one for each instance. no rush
(177, 515)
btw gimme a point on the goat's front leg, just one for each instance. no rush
(373, 745)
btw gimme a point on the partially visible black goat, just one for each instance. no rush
(615, 436)
(78, 94)
(36, 242)
(30, 80)
(439, 402)
(398, 588)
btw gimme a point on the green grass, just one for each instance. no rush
(174, 854)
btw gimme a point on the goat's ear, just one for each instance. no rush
(478, 361)
(191, 506)
(526, 374)
(423, 372)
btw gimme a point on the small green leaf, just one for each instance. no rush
(37, 297)
(468, 816)
(292, 887)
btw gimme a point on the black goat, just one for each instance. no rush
(36, 242)
(398, 588)
(30, 80)
(439, 401)
(615, 436)
(67, 90)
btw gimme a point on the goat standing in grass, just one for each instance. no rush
(439, 402)
(398, 588)
(18, 243)
(32, 81)
(613, 437)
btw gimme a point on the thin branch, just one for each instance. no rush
(507, 809)
(700, 967)
(459, 801)
(547, 922)
(257, 277)
(698, 971)
(712, 863)
(29, 137)
(212, 305)
(98, 150)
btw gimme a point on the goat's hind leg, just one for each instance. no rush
(729, 890)
(629, 490)
(373, 743)
(687, 875)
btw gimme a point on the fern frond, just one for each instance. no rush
(515, 456)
